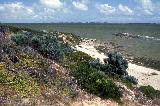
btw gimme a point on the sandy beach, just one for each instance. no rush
(145, 76)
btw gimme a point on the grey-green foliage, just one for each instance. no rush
(96, 64)
(48, 45)
(117, 63)
(20, 39)
(131, 79)
(114, 65)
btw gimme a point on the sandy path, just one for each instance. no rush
(143, 74)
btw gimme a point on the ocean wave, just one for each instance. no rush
(128, 35)
(150, 37)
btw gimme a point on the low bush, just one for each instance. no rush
(77, 57)
(25, 85)
(131, 79)
(150, 92)
(96, 64)
(118, 64)
(36, 67)
(20, 39)
(36, 42)
(48, 45)
(115, 65)
(95, 82)
(21, 83)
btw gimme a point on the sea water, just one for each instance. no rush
(146, 46)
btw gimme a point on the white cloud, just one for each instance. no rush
(15, 10)
(55, 4)
(125, 9)
(45, 13)
(106, 9)
(80, 4)
(120, 10)
(147, 7)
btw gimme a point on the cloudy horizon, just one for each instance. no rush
(46, 11)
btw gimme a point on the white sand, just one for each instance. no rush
(143, 74)
(90, 50)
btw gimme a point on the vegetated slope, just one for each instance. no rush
(43, 68)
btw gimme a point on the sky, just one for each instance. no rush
(50, 11)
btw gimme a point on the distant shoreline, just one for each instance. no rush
(90, 23)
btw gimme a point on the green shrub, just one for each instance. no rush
(25, 85)
(21, 83)
(36, 67)
(95, 82)
(5, 77)
(48, 45)
(114, 65)
(96, 64)
(36, 42)
(131, 79)
(20, 39)
(51, 47)
(117, 63)
(14, 29)
(150, 92)
(77, 57)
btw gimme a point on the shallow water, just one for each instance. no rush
(148, 46)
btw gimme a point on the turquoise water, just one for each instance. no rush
(147, 47)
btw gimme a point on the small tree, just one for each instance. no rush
(20, 39)
(117, 63)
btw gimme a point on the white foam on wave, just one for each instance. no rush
(149, 37)
(136, 36)
(153, 38)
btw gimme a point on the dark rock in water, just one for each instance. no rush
(144, 61)
(122, 34)
(127, 35)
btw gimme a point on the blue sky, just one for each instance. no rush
(112, 11)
